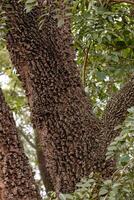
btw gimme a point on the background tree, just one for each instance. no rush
(16, 177)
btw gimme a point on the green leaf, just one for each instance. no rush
(124, 159)
(103, 191)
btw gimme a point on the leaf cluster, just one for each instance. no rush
(104, 38)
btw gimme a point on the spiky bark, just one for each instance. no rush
(67, 130)
(71, 141)
(116, 111)
(16, 177)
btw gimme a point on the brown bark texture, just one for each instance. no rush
(71, 141)
(16, 177)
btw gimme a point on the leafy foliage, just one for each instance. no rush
(104, 44)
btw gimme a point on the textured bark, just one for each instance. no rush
(71, 141)
(67, 130)
(116, 109)
(16, 177)
(115, 113)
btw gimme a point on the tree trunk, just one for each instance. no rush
(71, 141)
(16, 177)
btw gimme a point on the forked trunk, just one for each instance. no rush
(71, 141)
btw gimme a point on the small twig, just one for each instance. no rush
(123, 1)
(85, 64)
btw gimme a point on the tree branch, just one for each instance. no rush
(116, 109)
